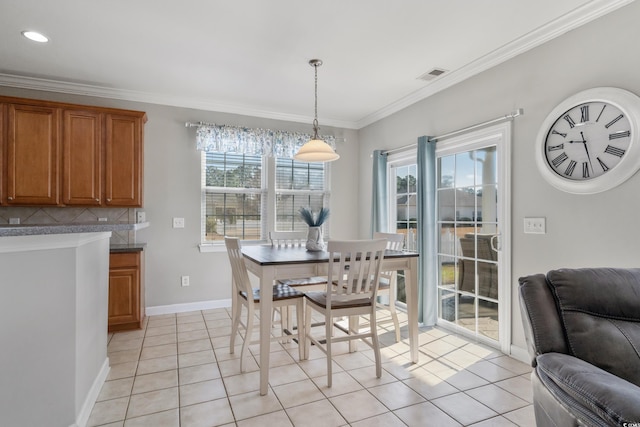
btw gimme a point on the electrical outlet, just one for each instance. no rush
(178, 222)
(14, 220)
(535, 225)
(184, 280)
(141, 217)
(102, 219)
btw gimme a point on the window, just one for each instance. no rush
(403, 214)
(245, 196)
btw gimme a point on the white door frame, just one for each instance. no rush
(500, 136)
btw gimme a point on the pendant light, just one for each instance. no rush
(316, 150)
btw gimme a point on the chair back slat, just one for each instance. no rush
(354, 267)
(238, 267)
(395, 242)
(283, 239)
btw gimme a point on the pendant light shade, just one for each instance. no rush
(316, 150)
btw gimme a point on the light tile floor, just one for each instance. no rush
(178, 371)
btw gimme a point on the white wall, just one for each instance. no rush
(582, 230)
(172, 189)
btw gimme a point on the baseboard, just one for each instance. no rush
(520, 354)
(190, 306)
(94, 391)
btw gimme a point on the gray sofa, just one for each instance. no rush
(582, 328)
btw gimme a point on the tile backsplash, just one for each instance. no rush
(68, 215)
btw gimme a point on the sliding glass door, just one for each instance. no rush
(471, 213)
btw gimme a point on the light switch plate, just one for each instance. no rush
(141, 217)
(535, 225)
(178, 222)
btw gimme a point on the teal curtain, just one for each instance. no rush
(427, 243)
(379, 195)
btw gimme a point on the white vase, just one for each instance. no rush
(314, 240)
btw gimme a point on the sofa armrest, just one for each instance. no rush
(542, 327)
(596, 396)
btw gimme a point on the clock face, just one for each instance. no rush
(590, 142)
(587, 141)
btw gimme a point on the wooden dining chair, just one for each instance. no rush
(245, 296)
(389, 279)
(354, 269)
(296, 239)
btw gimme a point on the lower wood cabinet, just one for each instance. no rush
(126, 290)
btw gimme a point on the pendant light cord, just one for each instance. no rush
(315, 63)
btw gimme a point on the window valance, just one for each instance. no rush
(235, 139)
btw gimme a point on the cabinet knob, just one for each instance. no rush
(97, 200)
(108, 200)
(9, 198)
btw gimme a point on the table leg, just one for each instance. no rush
(411, 288)
(266, 305)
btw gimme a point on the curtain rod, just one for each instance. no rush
(510, 116)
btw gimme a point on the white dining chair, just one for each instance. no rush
(296, 239)
(354, 269)
(245, 296)
(389, 279)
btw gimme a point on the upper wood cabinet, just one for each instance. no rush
(124, 168)
(33, 157)
(82, 158)
(64, 154)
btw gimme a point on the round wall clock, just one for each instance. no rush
(590, 142)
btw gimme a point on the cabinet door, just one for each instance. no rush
(124, 291)
(82, 158)
(32, 155)
(124, 154)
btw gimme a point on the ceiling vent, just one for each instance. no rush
(430, 75)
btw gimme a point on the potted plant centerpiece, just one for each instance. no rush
(314, 236)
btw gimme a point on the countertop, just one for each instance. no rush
(127, 248)
(35, 229)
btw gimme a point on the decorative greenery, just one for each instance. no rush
(313, 220)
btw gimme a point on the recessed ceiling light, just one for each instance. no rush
(35, 36)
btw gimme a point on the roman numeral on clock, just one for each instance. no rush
(614, 150)
(555, 147)
(569, 170)
(585, 170)
(602, 165)
(584, 110)
(608, 125)
(558, 160)
(621, 134)
(555, 132)
(569, 120)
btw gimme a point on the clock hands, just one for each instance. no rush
(584, 142)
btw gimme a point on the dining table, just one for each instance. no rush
(270, 263)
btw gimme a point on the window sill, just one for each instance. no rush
(220, 247)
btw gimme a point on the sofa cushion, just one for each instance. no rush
(595, 396)
(601, 317)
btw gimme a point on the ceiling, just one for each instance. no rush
(251, 56)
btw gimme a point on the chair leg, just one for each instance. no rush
(301, 329)
(285, 323)
(328, 325)
(375, 342)
(234, 327)
(307, 331)
(247, 338)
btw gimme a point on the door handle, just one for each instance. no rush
(495, 243)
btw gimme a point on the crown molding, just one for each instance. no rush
(537, 37)
(48, 85)
(543, 34)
